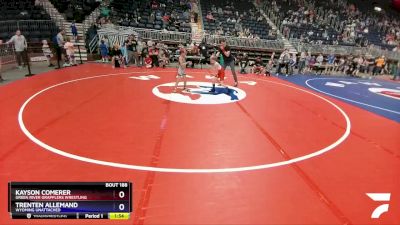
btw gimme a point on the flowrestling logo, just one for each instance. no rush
(199, 93)
(387, 92)
(380, 197)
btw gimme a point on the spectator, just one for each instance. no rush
(20, 46)
(195, 11)
(166, 20)
(1, 77)
(59, 45)
(131, 46)
(379, 63)
(150, 43)
(154, 5)
(357, 63)
(74, 31)
(220, 12)
(397, 48)
(350, 65)
(210, 18)
(116, 56)
(386, 69)
(194, 51)
(124, 52)
(243, 62)
(105, 11)
(302, 62)
(396, 74)
(106, 41)
(364, 65)
(341, 64)
(292, 64)
(318, 64)
(153, 53)
(258, 67)
(371, 65)
(213, 9)
(163, 59)
(307, 62)
(145, 51)
(283, 61)
(203, 51)
(330, 63)
(311, 63)
(104, 51)
(47, 52)
(152, 17)
(185, 15)
(148, 61)
(70, 50)
(139, 48)
(270, 65)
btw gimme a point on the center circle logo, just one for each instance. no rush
(200, 93)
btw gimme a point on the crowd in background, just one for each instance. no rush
(357, 25)
(150, 54)
(135, 52)
(359, 22)
(156, 54)
(307, 63)
(233, 17)
(187, 10)
(62, 46)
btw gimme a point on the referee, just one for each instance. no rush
(229, 60)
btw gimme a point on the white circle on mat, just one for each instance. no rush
(181, 170)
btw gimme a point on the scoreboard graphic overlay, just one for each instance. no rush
(67, 200)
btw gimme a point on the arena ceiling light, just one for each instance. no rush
(377, 8)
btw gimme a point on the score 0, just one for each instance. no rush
(121, 195)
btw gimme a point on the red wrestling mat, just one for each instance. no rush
(267, 152)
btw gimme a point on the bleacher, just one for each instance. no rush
(377, 32)
(22, 10)
(33, 21)
(75, 9)
(243, 7)
(322, 31)
(355, 22)
(303, 22)
(317, 22)
(142, 14)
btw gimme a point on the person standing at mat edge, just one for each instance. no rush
(59, 46)
(131, 47)
(20, 46)
(229, 60)
(1, 77)
(396, 74)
